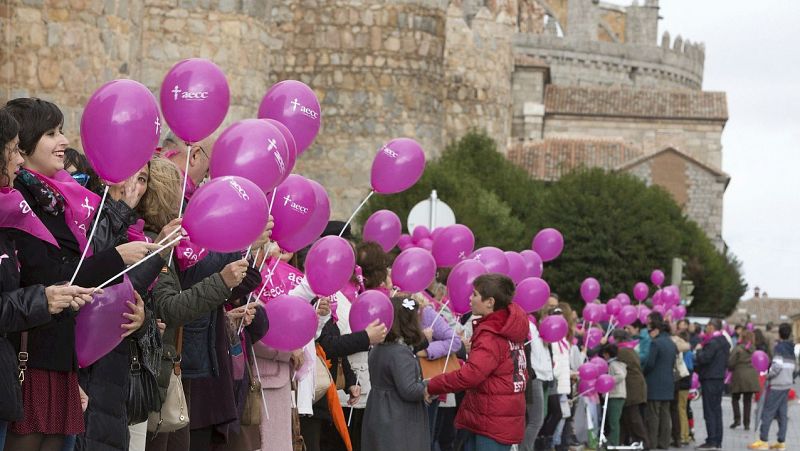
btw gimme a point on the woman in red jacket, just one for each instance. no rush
(495, 374)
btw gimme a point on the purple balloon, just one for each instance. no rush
(627, 315)
(316, 224)
(194, 98)
(97, 328)
(420, 233)
(534, 267)
(600, 363)
(613, 306)
(643, 313)
(293, 323)
(590, 289)
(253, 149)
(641, 291)
(516, 266)
(329, 265)
(548, 243)
(657, 277)
(405, 242)
(586, 387)
(553, 328)
(593, 313)
(678, 312)
(660, 309)
(760, 361)
(294, 205)
(436, 232)
(453, 244)
(425, 243)
(695, 381)
(593, 337)
(384, 228)
(588, 372)
(120, 128)
(369, 306)
(532, 294)
(291, 146)
(227, 214)
(295, 105)
(413, 270)
(604, 384)
(492, 258)
(397, 166)
(624, 299)
(459, 284)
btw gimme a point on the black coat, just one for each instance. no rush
(658, 370)
(712, 360)
(337, 347)
(20, 309)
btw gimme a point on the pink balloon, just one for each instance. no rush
(657, 297)
(384, 228)
(644, 312)
(397, 166)
(453, 244)
(295, 105)
(194, 98)
(548, 243)
(97, 328)
(760, 361)
(590, 289)
(553, 328)
(624, 299)
(695, 381)
(459, 284)
(613, 306)
(660, 309)
(425, 243)
(294, 205)
(604, 384)
(586, 387)
(593, 337)
(516, 266)
(329, 265)
(600, 363)
(678, 312)
(420, 232)
(413, 270)
(316, 224)
(532, 294)
(534, 267)
(627, 315)
(291, 146)
(593, 313)
(253, 149)
(436, 232)
(657, 277)
(226, 214)
(120, 128)
(369, 306)
(640, 291)
(292, 323)
(588, 371)
(750, 326)
(492, 258)
(405, 242)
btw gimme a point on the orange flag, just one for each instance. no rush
(337, 414)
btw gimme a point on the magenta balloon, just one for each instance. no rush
(436, 232)
(600, 363)
(295, 105)
(534, 267)
(604, 384)
(97, 328)
(120, 128)
(405, 242)
(593, 313)
(420, 232)
(657, 277)
(750, 326)
(226, 214)
(384, 228)
(492, 258)
(627, 315)
(760, 361)
(329, 265)
(397, 166)
(657, 297)
(532, 294)
(516, 266)
(425, 243)
(660, 309)
(641, 291)
(292, 323)
(593, 337)
(695, 381)
(588, 371)
(294, 205)
(679, 313)
(643, 314)
(590, 289)
(613, 306)
(624, 299)
(253, 149)
(291, 146)
(316, 224)
(586, 387)
(413, 270)
(553, 328)
(453, 244)
(369, 306)
(194, 98)
(548, 243)
(459, 284)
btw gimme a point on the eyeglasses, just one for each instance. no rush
(204, 152)
(81, 178)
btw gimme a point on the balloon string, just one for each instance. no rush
(271, 202)
(91, 235)
(258, 374)
(183, 193)
(250, 297)
(255, 257)
(364, 202)
(440, 312)
(611, 327)
(450, 349)
(261, 268)
(166, 238)
(148, 256)
(350, 417)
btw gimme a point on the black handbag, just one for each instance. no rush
(143, 393)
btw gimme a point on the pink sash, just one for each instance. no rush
(283, 280)
(187, 254)
(15, 213)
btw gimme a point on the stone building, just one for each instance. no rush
(558, 84)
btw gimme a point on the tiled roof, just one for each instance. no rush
(766, 310)
(641, 159)
(551, 158)
(629, 102)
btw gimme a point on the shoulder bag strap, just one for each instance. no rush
(23, 356)
(176, 364)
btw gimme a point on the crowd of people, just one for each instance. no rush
(191, 372)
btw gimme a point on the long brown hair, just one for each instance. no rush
(161, 201)
(374, 263)
(406, 323)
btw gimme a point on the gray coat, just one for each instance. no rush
(395, 418)
(658, 370)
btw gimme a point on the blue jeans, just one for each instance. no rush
(712, 409)
(3, 429)
(482, 443)
(69, 442)
(432, 410)
(775, 405)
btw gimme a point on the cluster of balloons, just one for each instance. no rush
(594, 378)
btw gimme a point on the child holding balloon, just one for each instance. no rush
(616, 397)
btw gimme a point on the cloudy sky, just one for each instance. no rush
(752, 54)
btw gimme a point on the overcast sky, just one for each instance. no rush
(753, 54)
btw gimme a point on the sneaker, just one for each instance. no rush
(758, 444)
(778, 445)
(708, 446)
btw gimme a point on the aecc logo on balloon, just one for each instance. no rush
(189, 95)
(240, 190)
(304, 109)
(287, 200)
(390, 152)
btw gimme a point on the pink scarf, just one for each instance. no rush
(282, 281)
(15, 213)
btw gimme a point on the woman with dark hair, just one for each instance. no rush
(79, 168)
(744, 380)
(50, 389)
